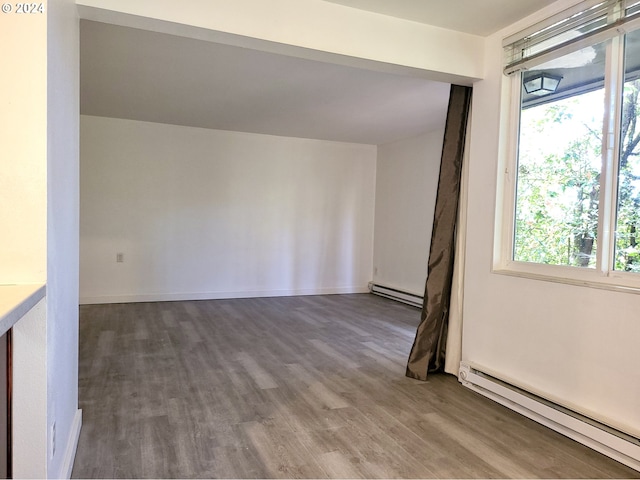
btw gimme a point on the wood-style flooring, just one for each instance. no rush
(295, 387)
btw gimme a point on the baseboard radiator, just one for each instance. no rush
(611, 442)
(398, 295)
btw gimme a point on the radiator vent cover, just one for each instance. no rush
(398, 295)
(611, 442)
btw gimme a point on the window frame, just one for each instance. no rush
(603, 275)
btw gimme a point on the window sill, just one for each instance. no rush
(589, 278)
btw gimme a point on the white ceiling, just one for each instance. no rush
(479, 17)
(149, 76)
(155, 77)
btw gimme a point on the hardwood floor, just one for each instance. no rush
(296, 387)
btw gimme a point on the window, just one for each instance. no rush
(573, 209)
(559, 162)
(627, 250)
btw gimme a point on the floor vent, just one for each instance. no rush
(611, 442)
(398, 295)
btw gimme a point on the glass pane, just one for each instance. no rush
(627, 253)
(559, 161)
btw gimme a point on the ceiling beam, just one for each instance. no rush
(311, 29)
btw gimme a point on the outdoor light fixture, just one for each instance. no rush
(541, 84)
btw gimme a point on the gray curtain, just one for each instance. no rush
(428, 351)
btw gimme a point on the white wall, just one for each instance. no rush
(63, 121)
(575, 345)
(39, 184)
(406, 187)
(213, 214)
(23, 127)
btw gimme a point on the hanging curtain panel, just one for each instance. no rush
(428, 351)
(454, 328)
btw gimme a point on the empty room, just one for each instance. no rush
(321, 239)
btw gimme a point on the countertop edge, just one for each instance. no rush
(16, 301)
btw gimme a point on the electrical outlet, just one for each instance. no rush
(119, 257)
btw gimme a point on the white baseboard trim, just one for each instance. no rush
(72, 446)
(172, 297)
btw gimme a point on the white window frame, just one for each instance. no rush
(603, 275)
